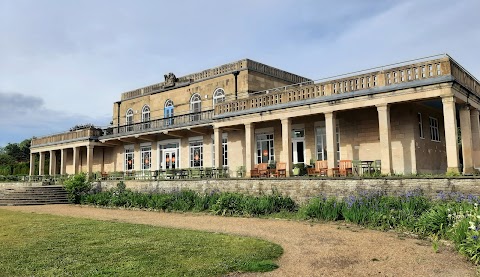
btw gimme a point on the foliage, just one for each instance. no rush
(77, 186)
(63, 246)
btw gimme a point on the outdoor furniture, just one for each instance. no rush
(195, 173)
(311, 171)
(321, 167)
(281, 170)
(263, 169)
(254, 173)
(377, 166)
(241, 171)
(366, 167)
(356, 167)
(345, 167)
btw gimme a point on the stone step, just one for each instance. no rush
(33, 195)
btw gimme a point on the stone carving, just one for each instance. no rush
(170, 80)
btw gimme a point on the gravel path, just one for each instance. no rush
(311, 249)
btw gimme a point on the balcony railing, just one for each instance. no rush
(177, 121)
(90, 133)
(357, 81)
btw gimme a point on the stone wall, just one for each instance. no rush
(301, 189)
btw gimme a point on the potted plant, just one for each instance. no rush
(298, 169)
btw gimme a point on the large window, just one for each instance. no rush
(265, 149)
(146, 154)
(168, 112)
(196, 154)
(146, 117)
(218, 96)
(224, 150)
(321, 143)
(420, 125)
(321, 137)
(434, 133)
(195, 107)
(129, 159)
(129, 120)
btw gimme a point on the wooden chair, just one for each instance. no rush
(281, 170)
(263, 169)
(345, 167)
(254, 173)
(311, 171)
(321, 168)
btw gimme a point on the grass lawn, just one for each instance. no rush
(47, 245)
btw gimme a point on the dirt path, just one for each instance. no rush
(310, 249)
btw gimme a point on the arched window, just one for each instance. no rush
(168, 112)
(218, 96)
(129, 120)
(195, 107)
(146, 117)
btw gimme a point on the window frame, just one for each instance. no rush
(218, 94)
(270, 140)
(192, 146)
(420, 126)
(129, 119)
(434, 129)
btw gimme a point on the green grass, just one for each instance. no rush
(46, 245)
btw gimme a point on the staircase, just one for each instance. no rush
(35, 195)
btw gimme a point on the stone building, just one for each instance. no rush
(407, 115)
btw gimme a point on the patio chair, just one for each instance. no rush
(377, 166)
(254, 173)
(263, 169)
(311, 171)
(281, 170)
(241, 171)
(345, 167)
(208, 172)
(195, 173)
(321, 167)
(356, 167)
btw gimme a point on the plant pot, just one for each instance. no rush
(296, 171)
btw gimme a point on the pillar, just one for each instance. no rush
(217, 137)
(249, 143)
(466, 133)
(286, 154)
(63, 164)
(53, 163)
(384, 131)
(475, 121)
(76, 159)
(41, 163)
(450, 123)
(32, 164)
(89, 159)
(330, 130)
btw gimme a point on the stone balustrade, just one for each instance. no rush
(362, 81)
(67, 136)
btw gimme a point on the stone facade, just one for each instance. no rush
(405, 117)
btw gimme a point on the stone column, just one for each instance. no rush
(89, 159)
(53, 163)
(249, 143)
(32, 164)
(76, 158)
(286, 154)
(384, 131)
(41, 163)
(450, 123)
(330, 130)
(466, 133)
(217, 137)
(63, 157)
(474, 119)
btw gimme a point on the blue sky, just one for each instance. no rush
(64, 63)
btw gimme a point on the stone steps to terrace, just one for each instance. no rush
(35, 195)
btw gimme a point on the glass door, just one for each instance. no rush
(169, 160)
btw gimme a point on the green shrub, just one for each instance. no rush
(323, 208)
(77, 186)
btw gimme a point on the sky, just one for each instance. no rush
(64, 63)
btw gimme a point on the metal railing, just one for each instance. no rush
(183, 120)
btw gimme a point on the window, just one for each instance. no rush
(129, 159)
(402, 76)
(439, 71)
(265, 150)
(129, 120)
(195, 107)
(416, 73)
(224, 150)
(146, 117)
(409, 73)
(434, 134)
(196, 153)
(420, 125)
(423, 72)
(321, 138)
(321, 142)
(374, 81)
(430, 70)
(168, 113)
(146, 154)
(218, 96)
